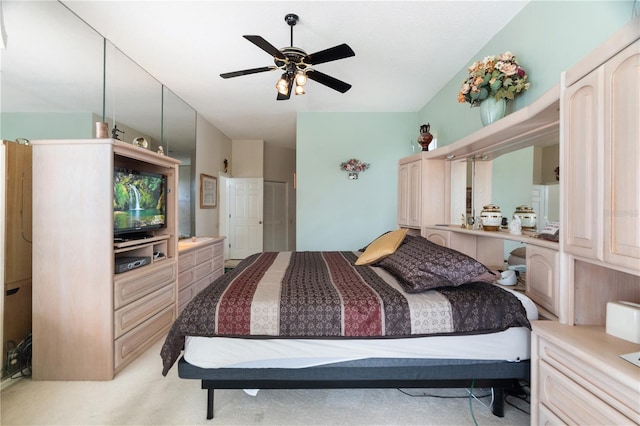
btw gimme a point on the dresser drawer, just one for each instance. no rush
(573, 403)
(218, 261)
(186, 261)
(203, 270)
(136, 284)
(592, 377)
(547, 418)
(129, 346)
(203, 283)
(203, 254)
(139, 311)
(217, 274)
(186, 278)
(185, 295)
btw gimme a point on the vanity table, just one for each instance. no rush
(542, 259)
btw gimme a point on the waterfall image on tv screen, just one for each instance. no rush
(138, 201)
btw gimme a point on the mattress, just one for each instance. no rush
(304, 298)
(511, 345)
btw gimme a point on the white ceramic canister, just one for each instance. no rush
(527, 217)
(491, 217)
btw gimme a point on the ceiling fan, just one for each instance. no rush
(296, 64)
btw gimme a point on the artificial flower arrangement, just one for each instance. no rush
(499, 76)
(354, 166)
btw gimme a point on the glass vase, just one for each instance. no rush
(492, 110)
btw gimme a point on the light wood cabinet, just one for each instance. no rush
(409, 193)
(16, 249)
(542, 277)
(582, 167)
(421, 190)
(602, 154)
(88, 321)
(622, 158)
(200, 262)
(578, 376)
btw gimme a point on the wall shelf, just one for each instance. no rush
(537, 124)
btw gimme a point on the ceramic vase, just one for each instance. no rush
(527, 217)
(491, 217)
(492, 110)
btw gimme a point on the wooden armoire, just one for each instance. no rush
(17, 246)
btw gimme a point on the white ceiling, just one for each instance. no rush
(405, 52)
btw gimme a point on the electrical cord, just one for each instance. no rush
(469, 395)
(521, 393)
(426, 395)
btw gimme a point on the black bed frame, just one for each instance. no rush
(369, 373)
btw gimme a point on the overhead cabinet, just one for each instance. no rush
(601, 161)
(420, 179)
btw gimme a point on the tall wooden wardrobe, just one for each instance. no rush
(17, 246)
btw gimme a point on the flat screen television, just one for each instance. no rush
(139, 202)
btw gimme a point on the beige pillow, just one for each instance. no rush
(382, 246)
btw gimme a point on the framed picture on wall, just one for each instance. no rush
(208, 191)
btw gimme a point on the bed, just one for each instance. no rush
(402, 312)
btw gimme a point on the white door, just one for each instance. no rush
(245, 217)
(275, 216)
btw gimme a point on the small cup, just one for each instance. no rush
(102, 130)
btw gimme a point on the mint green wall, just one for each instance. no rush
(46, 125)
(547, 36)
(333, 212)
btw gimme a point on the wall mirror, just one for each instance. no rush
(51, 78)
(179, 135)
(58, 81)
(539, 189)
(133, 100)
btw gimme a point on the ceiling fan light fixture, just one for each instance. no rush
(283, 85)
(296, 64)
(301, 78)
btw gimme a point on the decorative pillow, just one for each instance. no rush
(421, 265)
(382, 246)
(365, 247)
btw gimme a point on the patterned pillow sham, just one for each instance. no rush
(421, 265)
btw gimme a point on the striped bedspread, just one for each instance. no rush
(324, 295)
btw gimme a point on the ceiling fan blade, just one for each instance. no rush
(331, 54)
(246, 72)
(282, 97)
(328, 81)
(266, 46)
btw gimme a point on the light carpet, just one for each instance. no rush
(140, 395)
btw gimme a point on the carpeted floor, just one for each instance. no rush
(229, 264)
(140, 395)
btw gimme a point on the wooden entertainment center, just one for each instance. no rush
(89, 321)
